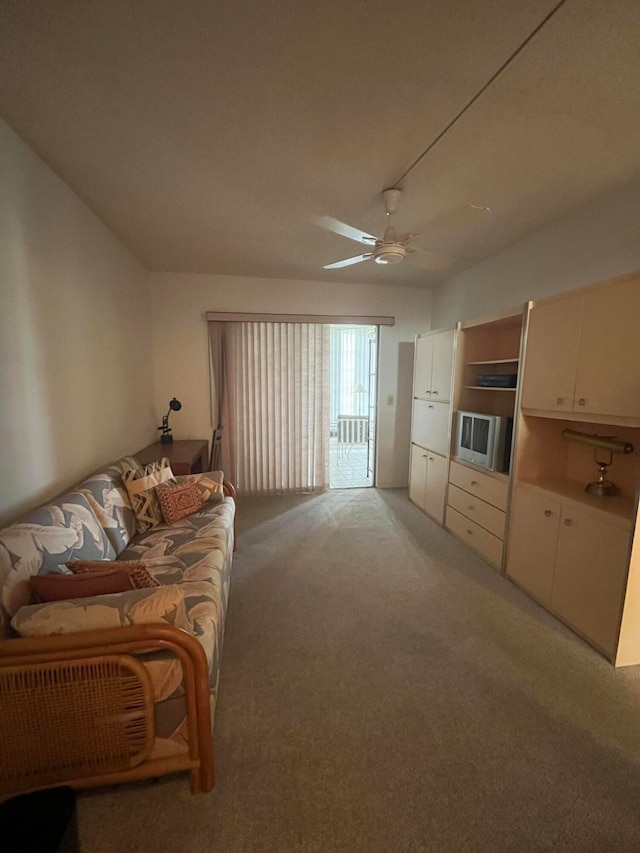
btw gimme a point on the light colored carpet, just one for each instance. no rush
(385, 690)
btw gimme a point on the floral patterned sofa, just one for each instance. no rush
(115, 687)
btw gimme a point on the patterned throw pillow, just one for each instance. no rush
(178, 501)
(60, 587)
(208, 484)
(136, 570)
(141, 488)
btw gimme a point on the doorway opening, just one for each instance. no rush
(353, 374)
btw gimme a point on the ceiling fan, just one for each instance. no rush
(389, 249)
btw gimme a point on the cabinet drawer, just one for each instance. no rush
(485, 543)
(480, 512)
(483, 486)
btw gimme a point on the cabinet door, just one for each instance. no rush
(436, 485)
(591, 568)
(418, 476)
(608, 376)
(442, 366)
(423, 364)
(553, 339)
(533, 537)
(431, 425)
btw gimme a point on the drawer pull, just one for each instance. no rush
(474, 482)
(430, 458)
(435, 393)
(470, 532)
(582, 401)
(471, 506)
(568, 522)
(559, 401)
(548, 513)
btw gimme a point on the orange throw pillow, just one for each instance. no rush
(136, 570)
(58, 587)
(178, 501)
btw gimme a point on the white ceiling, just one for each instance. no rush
(208, 134)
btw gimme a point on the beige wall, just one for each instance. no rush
(181, 355)
(75, 381)
(599, 242)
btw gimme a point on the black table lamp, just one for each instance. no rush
(166, 437)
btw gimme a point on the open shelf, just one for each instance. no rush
(484, 388)
(497, 361)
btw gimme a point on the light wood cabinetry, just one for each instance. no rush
(437, 467)
(552, 355)
(475, 536)
(571, 550)
(572, 556)
(583, 354)
(590, 573)
(477, 502)
(431, 421)
(533, 540)
(489, 517)
(476, 510)
(575, 553)
(422, 367)
(488, 346)
(428, 481)
(433, 366)
(418, 476)
(442, 367)
(608, 374)
(491, 488)
(430, 425)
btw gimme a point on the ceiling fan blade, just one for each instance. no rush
(348, 261)
(345, 230)
(407, 240)
(432, 260)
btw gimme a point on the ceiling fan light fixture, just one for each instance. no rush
(390, 254)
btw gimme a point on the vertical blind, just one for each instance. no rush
(350, 369)
(273, 402)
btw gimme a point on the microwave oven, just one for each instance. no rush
(484, 440)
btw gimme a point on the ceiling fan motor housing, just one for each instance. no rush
(389, 253)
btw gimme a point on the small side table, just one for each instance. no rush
(185, 457)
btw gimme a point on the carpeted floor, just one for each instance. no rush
(385, 690)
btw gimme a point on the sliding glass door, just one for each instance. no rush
(353, 373)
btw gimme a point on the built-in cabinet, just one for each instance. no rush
(431, 421)
(428, 480)
(433, 366)
(477, 499)
(431, 425)
(580, 354)
(568, 548)
(575, 360)
(571, 554)
(476, 510)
